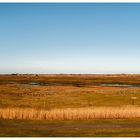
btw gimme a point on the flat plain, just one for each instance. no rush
(75, 105)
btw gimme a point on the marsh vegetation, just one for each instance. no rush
(69, 97)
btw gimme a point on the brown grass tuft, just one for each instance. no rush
(71, 114)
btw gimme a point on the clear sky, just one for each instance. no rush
(70, 38)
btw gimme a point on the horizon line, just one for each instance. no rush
(69, 73)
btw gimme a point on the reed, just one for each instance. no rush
(71, 113)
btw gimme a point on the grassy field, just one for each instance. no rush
(88, 128)
(77, 92)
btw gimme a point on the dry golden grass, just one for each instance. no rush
(71, 114)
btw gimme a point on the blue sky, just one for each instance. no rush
(70, 38)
